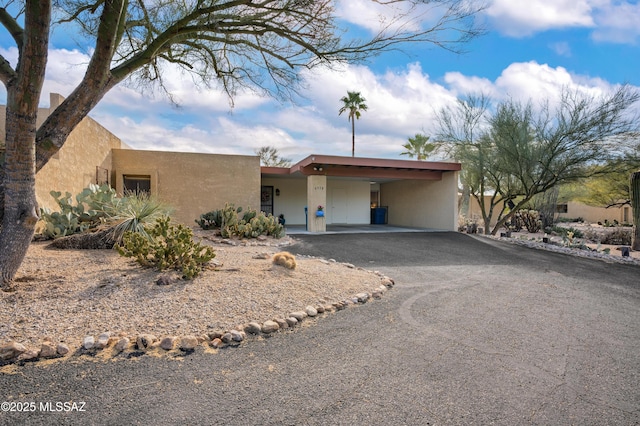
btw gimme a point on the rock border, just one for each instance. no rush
(15, 352)
(557, 248)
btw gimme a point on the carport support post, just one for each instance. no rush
(316, 196)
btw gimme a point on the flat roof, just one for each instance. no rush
(369, 168)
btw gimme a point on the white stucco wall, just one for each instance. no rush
(350, 198)
(348, 201)
(422, 203)
(292, 198)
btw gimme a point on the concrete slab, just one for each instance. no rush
(356, 229)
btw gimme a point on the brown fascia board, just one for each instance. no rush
(334, 165)
(275, 170)
(335, 160)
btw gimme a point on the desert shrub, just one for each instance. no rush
(99, 206)
(564, 232)
(167, 246)
(251, 225)
(619, 236)
(529, 219)
(135, 212)
(569, 219)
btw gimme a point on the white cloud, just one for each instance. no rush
(519, 18)
(401, 103)
(613, 21)
(618, 23)
(561, 48)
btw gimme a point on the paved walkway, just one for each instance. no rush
(476, 331)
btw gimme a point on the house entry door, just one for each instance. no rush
(266, 199)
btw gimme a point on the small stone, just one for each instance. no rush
(253, 328)
(262, 256)
(237, 336)
(326, 262)
(227, 338)
(88, 342)
(144, 341)
(29, 355)
(168, 343)
(299, 315)
(164, 280)
(270, 326)
(203, 338)
(188, 343)
(48, 350)
(122, 344)
(103, 340)
(215, 343)
(320, 309)
(339, 306)
(282, 323)
(311, 311)
(377, 294)
(362, 297)
(62, 349)
(291, 321)
(349, 265)
(215, 334)
(387, 282)
(11, 350)
(329, 308)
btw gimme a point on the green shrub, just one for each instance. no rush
(252, 224)
(167, 246)
(563, 232)
(97, 205)
(134, 213)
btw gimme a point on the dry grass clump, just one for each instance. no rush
(286, 259)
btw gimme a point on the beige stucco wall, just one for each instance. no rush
(193, 183)
(73, 168)
(422, 203)
(575, 210)
(596, 214)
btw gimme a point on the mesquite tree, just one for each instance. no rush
(225, 43)
(517, 152)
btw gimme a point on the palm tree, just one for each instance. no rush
(354, 103)
(419, 147)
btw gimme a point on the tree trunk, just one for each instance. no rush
(635, 206)
(353, 137)
(19, 180)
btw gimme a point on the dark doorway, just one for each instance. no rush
(266, 199)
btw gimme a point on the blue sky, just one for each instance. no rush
(532, 49)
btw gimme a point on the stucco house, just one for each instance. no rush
(352, 191)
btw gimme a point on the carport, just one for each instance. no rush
(361, 191)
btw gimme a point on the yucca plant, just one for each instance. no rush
(135, 212)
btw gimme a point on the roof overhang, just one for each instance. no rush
(367, 168)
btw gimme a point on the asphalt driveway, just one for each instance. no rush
(474, 332)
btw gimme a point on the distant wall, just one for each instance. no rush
(73, 168)
(192, 183)
(574, 210)
(597, 214)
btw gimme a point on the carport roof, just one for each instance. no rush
(370, 168)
